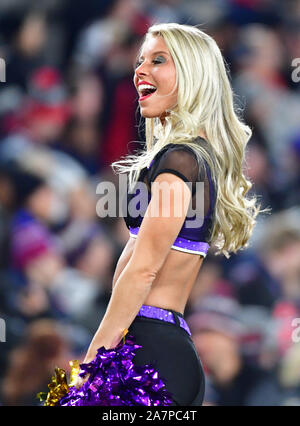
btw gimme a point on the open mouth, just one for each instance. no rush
(146, 93)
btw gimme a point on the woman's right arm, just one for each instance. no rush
(155, 238)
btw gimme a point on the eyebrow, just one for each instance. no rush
(155, 53)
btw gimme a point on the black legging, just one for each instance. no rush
(172, 352)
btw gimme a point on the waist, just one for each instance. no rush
(167, 315)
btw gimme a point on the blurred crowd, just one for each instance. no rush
(68, 109)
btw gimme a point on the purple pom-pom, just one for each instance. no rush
(115, 380)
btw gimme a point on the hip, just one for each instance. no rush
(169, 348)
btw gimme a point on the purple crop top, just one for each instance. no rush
(181, 161)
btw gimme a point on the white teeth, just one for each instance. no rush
(145, 86)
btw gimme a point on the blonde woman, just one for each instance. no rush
(193, 136)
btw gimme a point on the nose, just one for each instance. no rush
(141, 70)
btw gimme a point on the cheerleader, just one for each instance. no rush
(143, 352)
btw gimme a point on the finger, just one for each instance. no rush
(81, 380)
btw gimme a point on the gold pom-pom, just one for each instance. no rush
(58, 387)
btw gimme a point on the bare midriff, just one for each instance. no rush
(173, 283)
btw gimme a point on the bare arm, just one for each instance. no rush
(152, 246)
(123, 260)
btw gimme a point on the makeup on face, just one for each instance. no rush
(145, 90)
(155, 78)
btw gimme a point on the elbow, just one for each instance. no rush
(149, 277)
(142, 274)
(145, 277)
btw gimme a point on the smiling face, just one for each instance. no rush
(155, 68)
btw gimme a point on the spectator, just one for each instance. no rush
(33, 362)
(68, 110)
(217, 332)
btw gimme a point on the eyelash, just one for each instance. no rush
(155, 60)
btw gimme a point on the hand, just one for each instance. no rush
(80, 380)
(91, 354)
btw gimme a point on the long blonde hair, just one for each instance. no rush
(205, 102)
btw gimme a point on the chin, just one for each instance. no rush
(150, 114)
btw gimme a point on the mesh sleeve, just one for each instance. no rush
(182, 162)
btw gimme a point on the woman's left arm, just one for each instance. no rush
(155, 238)
(127, 297)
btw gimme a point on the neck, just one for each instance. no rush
(201, 133)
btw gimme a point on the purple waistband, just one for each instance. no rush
(162, 314)
(182, 244)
